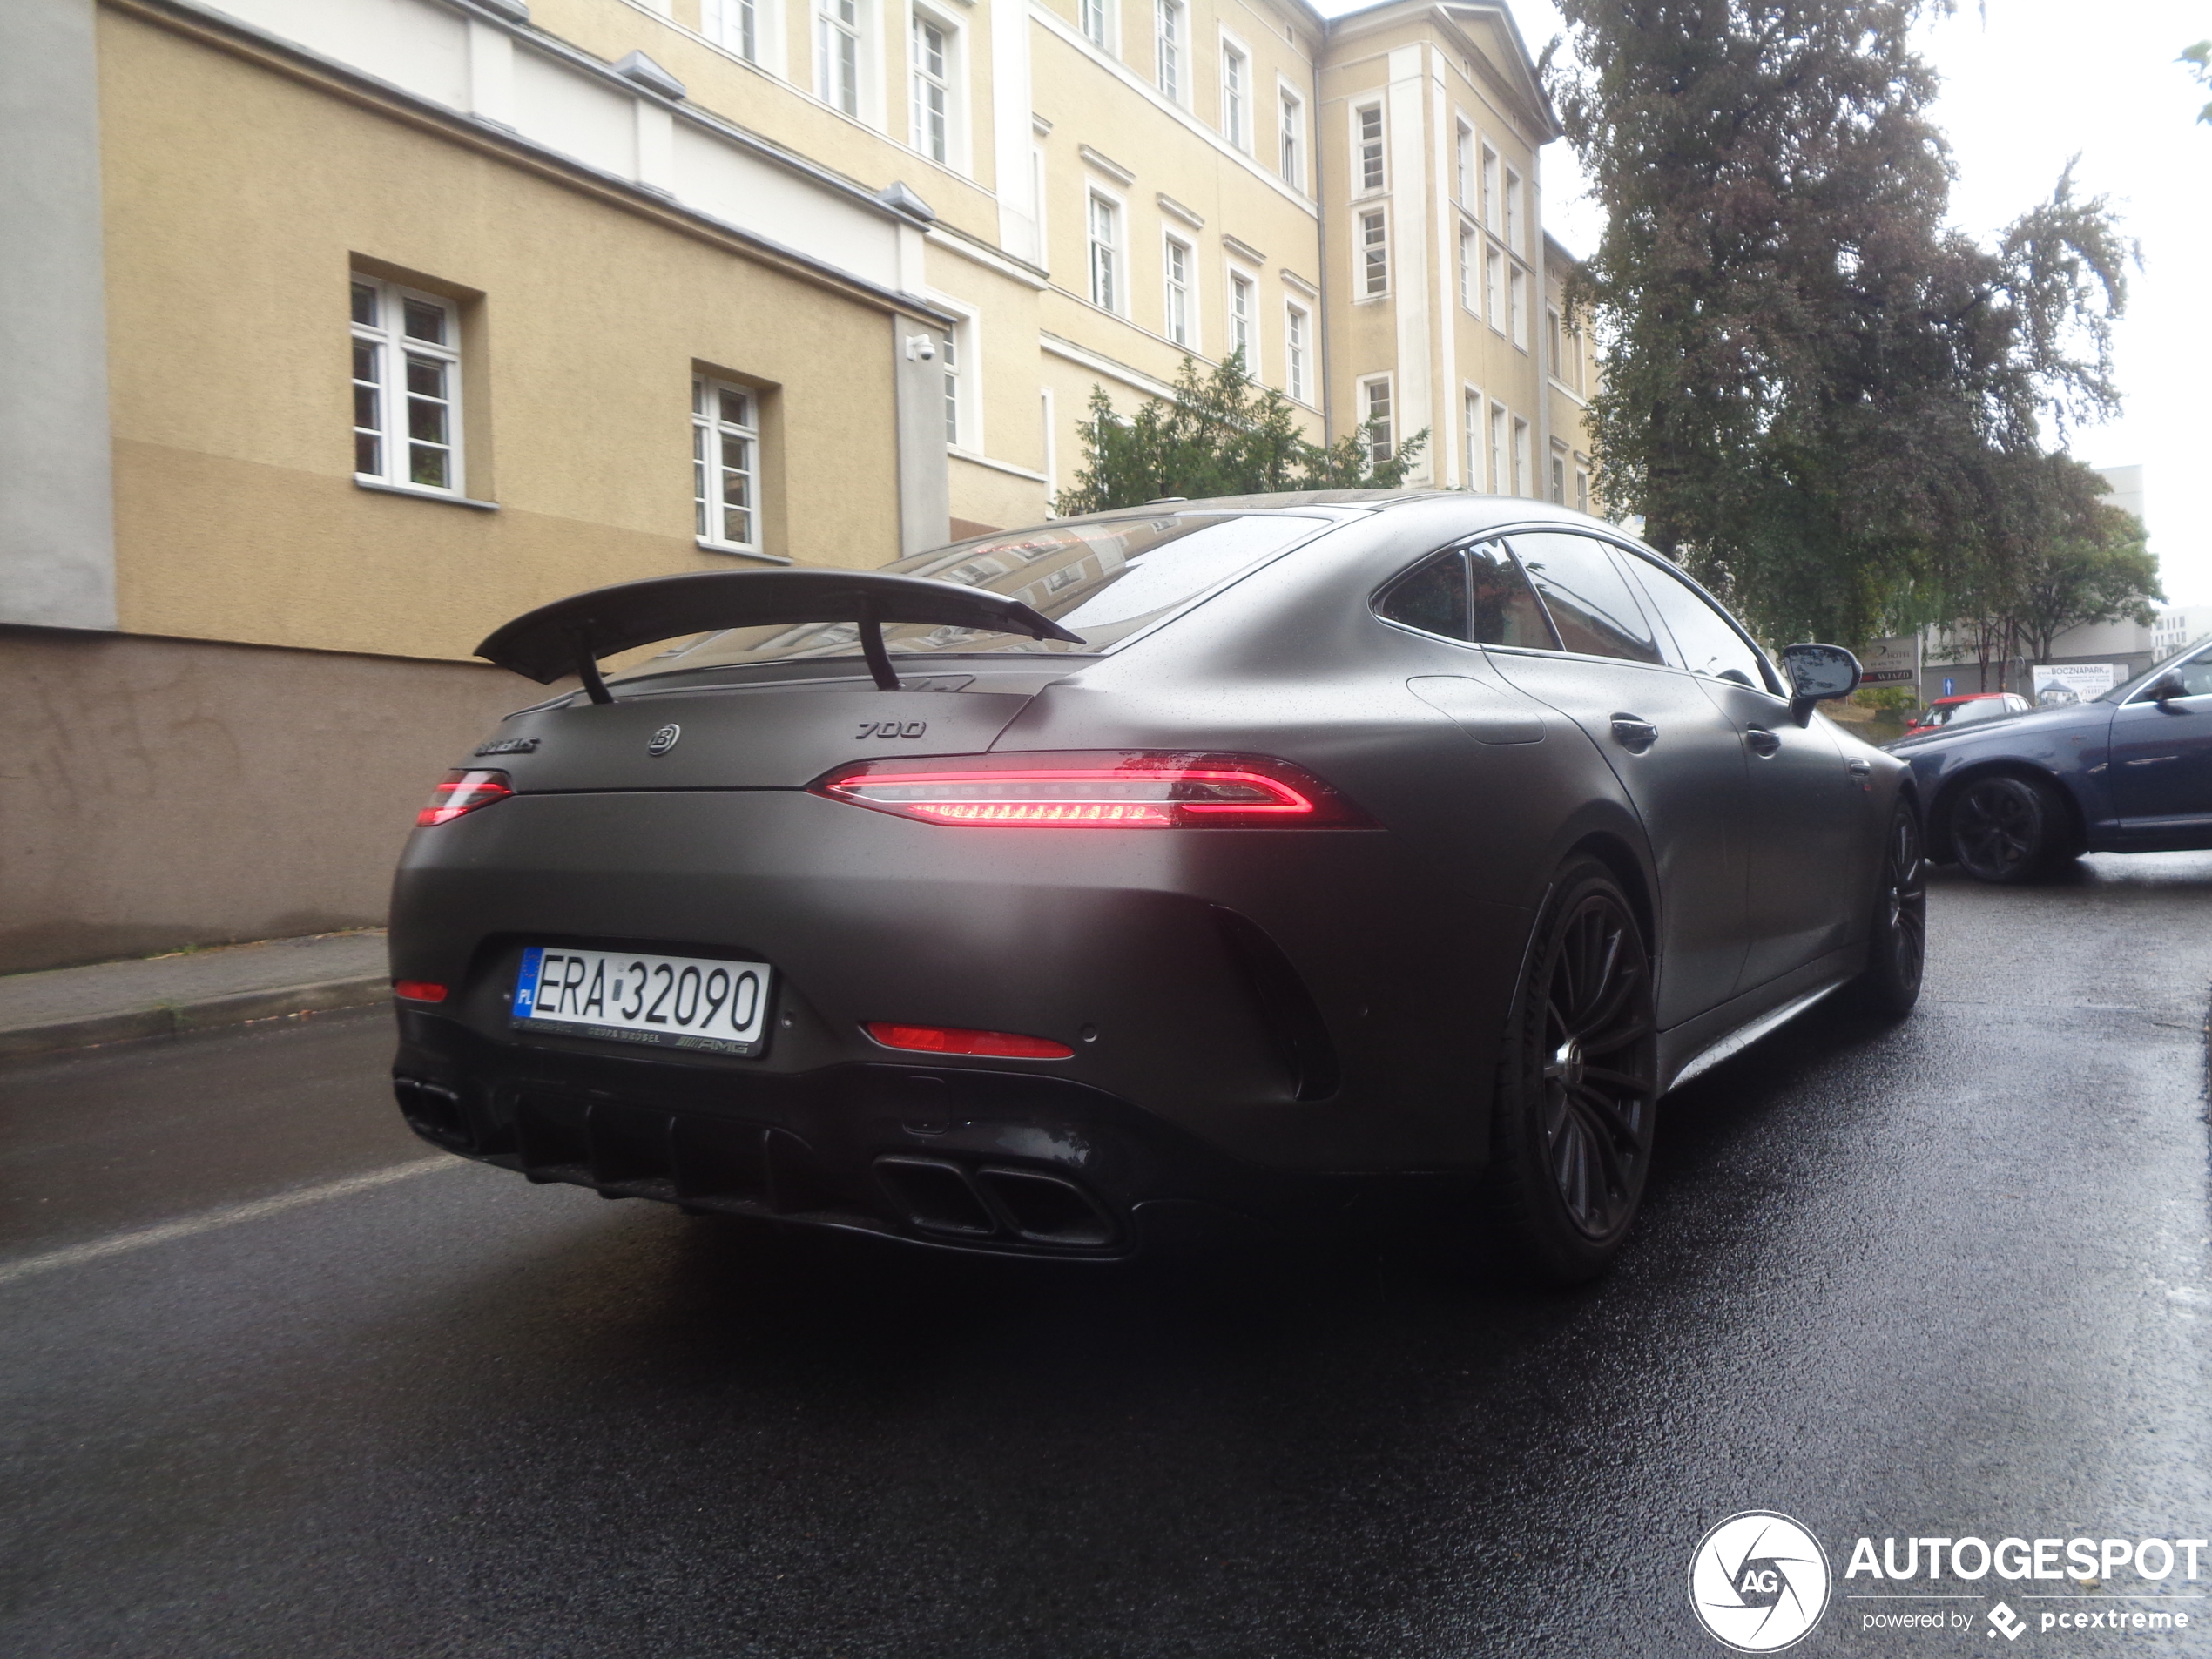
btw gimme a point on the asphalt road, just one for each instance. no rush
(1946, 1278)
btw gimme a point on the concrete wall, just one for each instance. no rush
(162, 793)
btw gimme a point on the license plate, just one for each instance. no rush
(625, 996)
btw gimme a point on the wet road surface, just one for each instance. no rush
(1946, 1278)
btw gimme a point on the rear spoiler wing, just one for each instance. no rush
(570, 636)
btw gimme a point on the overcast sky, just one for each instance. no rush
(2026, 86)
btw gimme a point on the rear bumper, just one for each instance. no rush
(997, 1162)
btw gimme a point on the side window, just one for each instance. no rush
(1431, 597)
(1589, 599)
(1709, 645)
(1506, 610)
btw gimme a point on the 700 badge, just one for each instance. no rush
(707, 1006)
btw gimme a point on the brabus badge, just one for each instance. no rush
(664, 739)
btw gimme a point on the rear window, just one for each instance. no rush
(1105, 579)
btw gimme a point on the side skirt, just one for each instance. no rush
(1699, 1044)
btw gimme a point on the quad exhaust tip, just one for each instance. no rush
(949, 1201)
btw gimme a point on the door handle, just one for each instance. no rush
(1633, 734)
(1761, 742)
(1861, 767)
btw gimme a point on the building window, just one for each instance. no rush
(725, 447)
(1554, 343)
(1463, 167)
(1558, 477)
(837, 41)
(735, 24)
(1240, 321)
(1105, 253)
(1375, 255)
(1489, 190)
(1470, 256)
(1500, 477)
(1178, 284)
(1521, 457)
(1368, 124)
(952, 386)
(1095, 21)
(1235, 73)
(1168, 37)
(1294, 327)
(1493, 285)
(1514, 219)
(1471, 439)
(1520, 307)
(933, 88)
(1581, 489)
(1374, 414)
(1293, 159)
(407, 387)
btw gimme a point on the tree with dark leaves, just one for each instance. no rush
(1812, 386)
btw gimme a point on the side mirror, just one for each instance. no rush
(1818, 673)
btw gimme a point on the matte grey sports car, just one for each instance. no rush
(1045, 892)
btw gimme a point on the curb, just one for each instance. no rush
(173, 1019)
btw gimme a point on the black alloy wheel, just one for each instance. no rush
(1578, 1082)
(2006, 828)
(1897, 949)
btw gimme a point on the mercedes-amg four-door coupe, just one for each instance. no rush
(1047, 892)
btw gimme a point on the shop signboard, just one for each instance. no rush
(2061, 683)
(1891, 662)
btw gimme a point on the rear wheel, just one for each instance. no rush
(2006, 828)
(1897, 951)
(1577, 1084)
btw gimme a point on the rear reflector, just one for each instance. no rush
(949, 1039)
(463, 792)
(418, 990)
(1114, 789)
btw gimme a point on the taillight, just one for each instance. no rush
(951, 1039)
(463, 792)
(1113, 789)
(418, 990)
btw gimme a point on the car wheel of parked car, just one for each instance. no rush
(1577, 1083)
(2006, 828)
(1896, 950)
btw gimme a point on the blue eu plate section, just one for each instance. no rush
(703, 1005)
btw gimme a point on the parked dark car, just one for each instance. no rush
(2129, 771)
(1047, 892)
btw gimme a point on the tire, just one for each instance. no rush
(1571, 1139)
(1897, 945)
(2006, 828)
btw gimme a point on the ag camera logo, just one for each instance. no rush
(1759, 1582)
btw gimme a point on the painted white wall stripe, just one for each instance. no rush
(254, 1209)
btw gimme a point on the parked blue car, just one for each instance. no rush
(2129, 772)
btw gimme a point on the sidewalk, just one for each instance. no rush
(70, 1008)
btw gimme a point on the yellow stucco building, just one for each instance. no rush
(355, 327)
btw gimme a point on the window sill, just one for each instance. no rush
(705, 546)
(420, 494)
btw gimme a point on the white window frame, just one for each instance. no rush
(1488, 213)
(1095, 18)
(1369, 150)
(1556, 475)
(1463, 164)
(832, 28)
(1290, 136)
(710, 430)
(1371, 255)
(1493, 285)
(1472, 404)
(1470, 267)
(385, 377)
(1297, 352)
(1106, 259)
(1555, 343)
(1517, 302)
(963, 408)
(752, 30)
(1522, 461)
(1381, 447)
(1237, 92)
(1242, 314)
(1501, 452)
(1582, 485)
(1178, 307)
(1170, 47)
(951, 82)
(1516, 215)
